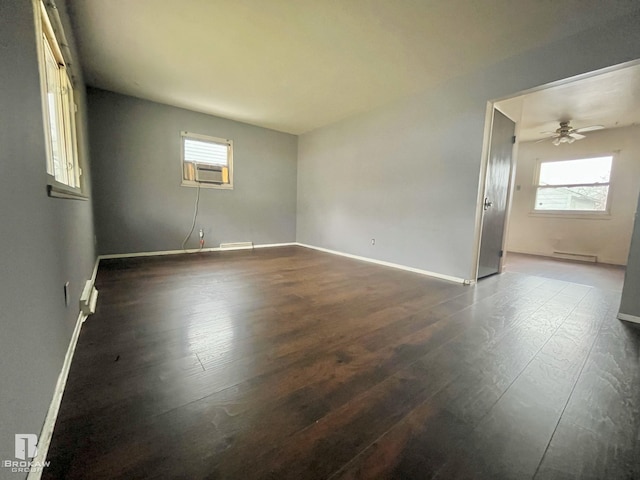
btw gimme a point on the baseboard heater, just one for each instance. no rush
(88, 299)
(576, 256)
(236, 246)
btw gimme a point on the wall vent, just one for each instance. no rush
(576, 256)
(236, 246)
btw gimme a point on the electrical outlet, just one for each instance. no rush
(201, 233)
(373, 241)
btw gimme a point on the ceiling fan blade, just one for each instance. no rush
(543, 139)
(590, 128)
(548, 133)
(577, 136)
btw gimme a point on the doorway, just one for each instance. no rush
(608, 103)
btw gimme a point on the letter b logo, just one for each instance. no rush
(26, 445)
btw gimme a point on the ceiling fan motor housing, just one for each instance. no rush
(564, 128)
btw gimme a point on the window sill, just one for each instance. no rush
(186, 183)
(572, 215)
(59, 191)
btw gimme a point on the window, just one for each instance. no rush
(206, 161)
(573, 185)
(59, 110)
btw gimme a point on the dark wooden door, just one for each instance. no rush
(496, 190)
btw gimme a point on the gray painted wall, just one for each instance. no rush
(407, 174)
(630, 303)
(44, 242)
(140, 205)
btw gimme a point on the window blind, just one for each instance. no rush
(210, 153)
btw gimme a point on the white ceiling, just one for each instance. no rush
(295, 65)
(610, 99)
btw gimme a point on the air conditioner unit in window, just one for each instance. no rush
(212, 174)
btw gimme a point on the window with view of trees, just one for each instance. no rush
(573, 185)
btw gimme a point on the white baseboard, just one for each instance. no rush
(628, 318)
(157, 253)
(44, 440)
(193, 250)
(271, 245)
(392, 265)
(94, 274)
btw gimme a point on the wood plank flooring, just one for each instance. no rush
(290, 363)
(600, 275)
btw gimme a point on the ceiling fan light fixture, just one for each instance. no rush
(568, 134)
(563, 139)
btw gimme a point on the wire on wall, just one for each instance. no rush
(193, 224)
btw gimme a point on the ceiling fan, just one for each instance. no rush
(567, 134)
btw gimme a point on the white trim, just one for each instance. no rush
(236, 246)
(271, 245)
(39, 31)
(157, 253)
(94, 274)
(44, 440)
(574, 78)
(206, 138)
(192, 250)
(191, 183)
(392, 265)
(628, 318)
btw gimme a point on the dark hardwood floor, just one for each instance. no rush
(290, 363)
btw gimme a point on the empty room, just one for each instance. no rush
(319, 239)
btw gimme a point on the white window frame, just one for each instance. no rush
(594, 214)
(63, 179)
(206, 138)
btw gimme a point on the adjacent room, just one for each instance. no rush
(575, 194)
(319, 240)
